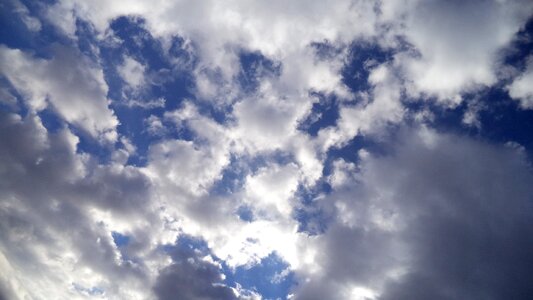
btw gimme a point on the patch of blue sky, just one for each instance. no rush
(86, 40)
(349, 151)
(120, 240)
(325, 50)
(312, 219)
(270, 278)
(521, 47)
(362, 57)
(164, 82)
(90, 291)
(136, 41)
(324, 113)
(14, 33)
(233, 177)
(254, 67)
(245, 213)
(498, 118)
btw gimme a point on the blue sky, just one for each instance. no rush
(266, 150)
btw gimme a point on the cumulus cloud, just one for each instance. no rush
(521, 88)
(68, 83)
(57, 235)
(132, 72)
(457, 44)
(433, 220)
(191, 277)
(245, 154)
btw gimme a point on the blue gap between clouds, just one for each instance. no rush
(234, 176)
(324, 113)
(14, 33)
(254, 67)
(312, 220)
(172, 85)
(362, 57)
(120, 240)
(264, 278)
(500, 118)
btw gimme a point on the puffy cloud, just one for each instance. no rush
(372, 113)
(132, 72)
(68, 83)
(32, 23)
(440, 218)
(191, 277)
(521, 88)
(56, 235)
(454, 50)
(269, 192)
(186, 166)
(457, 44)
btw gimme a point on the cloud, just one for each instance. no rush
(521, 88)
(132, 72)
(458, 45)
(269, 191)
(69, 83)
(403, 210)
(56, 235)
(379, 107)
(191, 277)
(439, 218)
(32, 23)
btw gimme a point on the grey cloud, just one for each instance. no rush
(470, 212)
(69, 83)
(190, 277)
(444, 217)
(48, 230)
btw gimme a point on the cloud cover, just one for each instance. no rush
(176, 195)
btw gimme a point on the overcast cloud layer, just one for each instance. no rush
(266, 149)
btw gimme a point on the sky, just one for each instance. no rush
(197, 150)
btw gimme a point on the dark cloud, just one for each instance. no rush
(190, 277)
(444, 217)
(469, 208)
(227, 102)
(47, 192)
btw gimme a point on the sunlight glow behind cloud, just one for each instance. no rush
(349, 149)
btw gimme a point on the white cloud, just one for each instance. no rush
(184, 165)
(521, 88)
(458, 43)
(269, 191)
(56, 237)
(32, 23)
(373, 112)
(68, 83)
(132, 72)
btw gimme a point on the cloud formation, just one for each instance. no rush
(168, 150)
